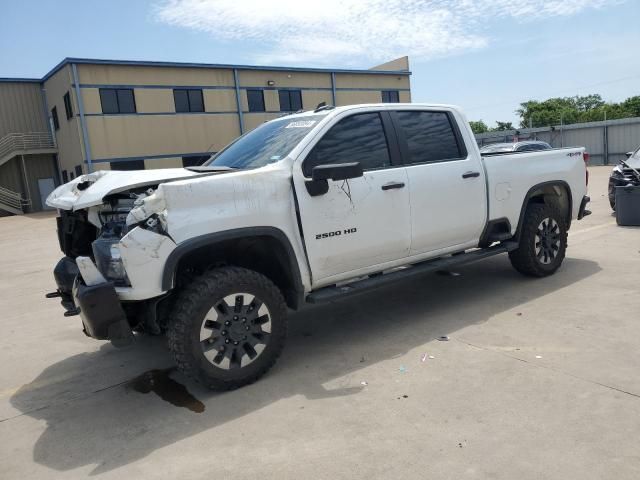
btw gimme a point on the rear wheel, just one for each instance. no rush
(228, 327)
(543, 241)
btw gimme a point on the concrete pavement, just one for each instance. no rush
(539, 378)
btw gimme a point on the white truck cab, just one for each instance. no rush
(305, 208)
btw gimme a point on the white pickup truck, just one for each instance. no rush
(306, 208)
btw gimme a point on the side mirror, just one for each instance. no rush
(628, 154)
(319, 185)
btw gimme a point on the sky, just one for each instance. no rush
(486, 56)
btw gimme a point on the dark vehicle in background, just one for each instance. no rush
(524, 146)
(622, 175)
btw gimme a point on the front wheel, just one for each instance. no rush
(228, 327)
(543, 242)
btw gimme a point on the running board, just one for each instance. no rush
(327, 294)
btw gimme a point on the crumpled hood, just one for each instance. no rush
(105, 182)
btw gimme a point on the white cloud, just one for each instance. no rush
(343, 31)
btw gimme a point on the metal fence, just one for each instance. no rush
(607, 142)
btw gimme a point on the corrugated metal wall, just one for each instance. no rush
(37, 166)
(22, 108)
(11, 175)
(606, 142)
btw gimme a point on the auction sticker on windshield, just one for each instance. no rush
(301, 124)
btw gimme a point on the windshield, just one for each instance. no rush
(270, 142)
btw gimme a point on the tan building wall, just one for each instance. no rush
(157, 137)
(69, 135)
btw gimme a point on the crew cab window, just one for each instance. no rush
(358, 138)
(430, 136)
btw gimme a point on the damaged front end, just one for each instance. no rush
(92, 278)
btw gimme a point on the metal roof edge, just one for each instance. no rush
(151, 63)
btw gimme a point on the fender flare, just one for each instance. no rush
(209, 239)
(529, 196)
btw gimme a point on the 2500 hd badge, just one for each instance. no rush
(337, 233)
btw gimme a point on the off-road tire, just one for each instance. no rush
(191, 308)
(525, 259)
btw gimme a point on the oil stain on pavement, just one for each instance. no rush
(161, 383)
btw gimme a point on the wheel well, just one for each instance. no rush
(264, 254)
(557, 194)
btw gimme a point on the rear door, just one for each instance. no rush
(362, 222)
(447, 188)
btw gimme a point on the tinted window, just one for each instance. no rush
(67, 105)
(359, 138)
(390, 96)
(188, 100)
(290, 100)
(54, 117)
(128, 165)
(255, 99)
(117, 100)
(430, 136)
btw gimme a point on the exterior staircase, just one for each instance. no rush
(16, 144)
(13, 202)
(31, 143)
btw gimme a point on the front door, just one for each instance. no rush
(362, 222)
(45, 187)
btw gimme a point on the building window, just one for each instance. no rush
(290, 100)
(117, 100)
(70, 175)
(65, 176)
(194, 161)
(390, 96)
(128, 165)
(255, 99)
(54, 117)
(78, 170)
(67, 106)
(188, 100)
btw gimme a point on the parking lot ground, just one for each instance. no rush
(539, 378)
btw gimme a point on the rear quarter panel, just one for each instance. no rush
(510, 177)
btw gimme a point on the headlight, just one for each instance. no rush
(109, 261)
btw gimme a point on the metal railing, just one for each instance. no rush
(13, 200)
(16, 142)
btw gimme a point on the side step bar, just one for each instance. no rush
(334, 292)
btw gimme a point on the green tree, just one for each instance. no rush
(632, 105)
(478, 126)
(502, 126)
(588, 108)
